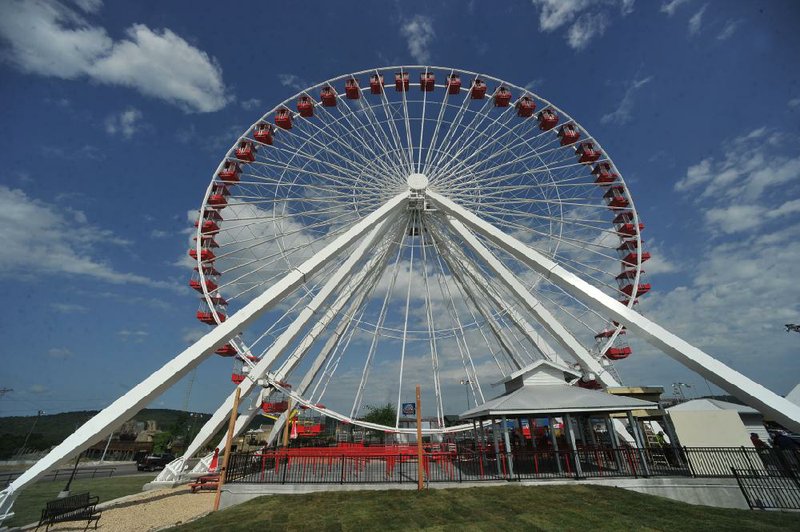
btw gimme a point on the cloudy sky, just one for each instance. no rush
(116, 115)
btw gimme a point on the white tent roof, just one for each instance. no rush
(794, 395)
(712, 404)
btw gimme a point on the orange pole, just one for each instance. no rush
(420, 467)
(228, 441)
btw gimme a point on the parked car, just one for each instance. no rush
(152, 462)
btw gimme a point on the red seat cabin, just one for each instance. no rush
(627, 274)
(226, 350)
(205, 254)
(207, 317)
(230, 172)
(629, 229)
(246, 151)
(207, 241)
(642, 289)
(525, 107)
(351, 89)
(263, 133)
(623, 217)
(328, 96)
(218, 300)
(274, 407)
(603, 174)
(401, 81)
(478, 90)
(283, 118)
(195, 283)
(548, 119)
(427, 81)
(376, 83)
(587, 153)
(209, 227)
(618, 353)
(502, 97)
(208, 270)
(453, 84)
(608, 333)
(590, 385)
(305, 106)
(630, 258)
(237, 378)
(568, 134)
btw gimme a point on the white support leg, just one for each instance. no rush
(532, 305)
(751, 393)
(286, 338)
(111, 417)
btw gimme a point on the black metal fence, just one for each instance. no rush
(62, 474)
(356, 466)
(769, 489)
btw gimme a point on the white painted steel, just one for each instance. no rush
(111, 417)
(751, 393)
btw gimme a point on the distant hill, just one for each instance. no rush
(52, 429)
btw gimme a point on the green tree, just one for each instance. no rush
(161, 442)
(382, 415)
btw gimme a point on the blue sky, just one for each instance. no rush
(116, 115)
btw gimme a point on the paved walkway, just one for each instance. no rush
(149, 510)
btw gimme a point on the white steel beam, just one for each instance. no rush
(111, 417)
(751, 393)
(289, 335)
(563, 336)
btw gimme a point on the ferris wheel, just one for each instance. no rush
(425, 301)
(402, 226)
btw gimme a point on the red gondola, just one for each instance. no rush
(305, 106)
(208, 317)
(195, 283)
(207, 241)
(618, 353)
(604, 174)
(328, 96)
(568, 134)
(630, 258)
(226, 350)
(454, 84)
(525, 107)
(640, 291)
(478, 90)
(401, 81)
(629, 229)
(608, 333)
(209, 226)
(230, 172)
(627, 274)
(587, 153)
(376, 83)
(217, 299)
(623, 217)
(218, 201)
(246, 151)
(427, 81)
(351, 89)
(283, 118)
(237, 378)
(590, 385)
(263, 133)
(274, 407)
(548, 119)
(205, 254)
(502, 97)
(208, 270)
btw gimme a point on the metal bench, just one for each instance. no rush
(78, 507)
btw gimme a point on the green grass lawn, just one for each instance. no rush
(28, 506)
(487, 508)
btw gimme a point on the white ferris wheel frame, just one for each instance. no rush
(345, 281)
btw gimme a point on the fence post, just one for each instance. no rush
(285, 468)
(458, 463)
(341, 478)
(689, 462)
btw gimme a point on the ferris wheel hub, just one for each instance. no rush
(417, 182)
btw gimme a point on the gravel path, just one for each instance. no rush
(150, 510)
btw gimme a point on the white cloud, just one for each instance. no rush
(51, 39)
(696, 22)
(158, 233)
(89, 6)
(735, 218)
(125, 123)
(670, 7)
(728, 30)
(794, 103)
(292, 81)
(249, 105)
(587, 19)
(44, 239)
(623, 113)
(419, 34)
(68, 308)
(59, 352)
(132, 336)
(587, 27)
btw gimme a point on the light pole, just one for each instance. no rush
(466, 383)
(677, 389)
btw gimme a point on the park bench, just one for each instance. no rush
(207, 482)
(78, 507)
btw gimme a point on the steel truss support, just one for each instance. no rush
(111, 417)
(751, 393)
(581, 355)
(289, 335)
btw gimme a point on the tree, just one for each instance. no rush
(382, 415)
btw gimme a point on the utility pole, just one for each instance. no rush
(25, 443)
